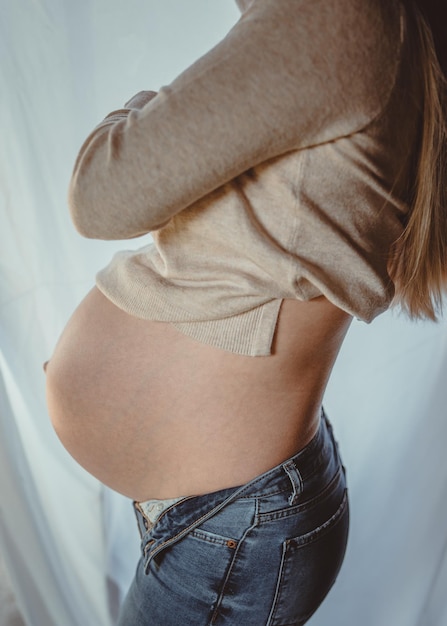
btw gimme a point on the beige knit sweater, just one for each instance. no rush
(276, 166)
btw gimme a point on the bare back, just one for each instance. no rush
(155, 414)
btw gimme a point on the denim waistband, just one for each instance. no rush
(180, 516)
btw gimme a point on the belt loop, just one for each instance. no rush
(296, 480)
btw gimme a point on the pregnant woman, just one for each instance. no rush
(290, 179)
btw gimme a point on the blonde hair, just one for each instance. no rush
(418, 262)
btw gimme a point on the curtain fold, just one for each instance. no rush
(44, 506)
(71, 545)
(387, 398)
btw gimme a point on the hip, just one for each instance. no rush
(265, 553)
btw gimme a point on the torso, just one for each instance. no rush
(155, 414)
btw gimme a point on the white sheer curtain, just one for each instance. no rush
(70, 545)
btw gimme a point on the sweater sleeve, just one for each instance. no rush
(289, 75)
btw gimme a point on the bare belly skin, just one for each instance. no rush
(155, 414)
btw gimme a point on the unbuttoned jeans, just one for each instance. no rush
(265, 553)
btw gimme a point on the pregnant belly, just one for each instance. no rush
(106, 385)
(155, 414)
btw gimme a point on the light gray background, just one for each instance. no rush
(69, 544)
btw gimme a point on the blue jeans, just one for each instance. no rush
(263, 554)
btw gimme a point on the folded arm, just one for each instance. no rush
(288, 75)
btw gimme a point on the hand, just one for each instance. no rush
(140, 99)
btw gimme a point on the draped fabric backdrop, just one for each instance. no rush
(71, 545)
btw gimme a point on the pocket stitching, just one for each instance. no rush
(307, 538)
(314, 501)
(299, 542)
(208, 537)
